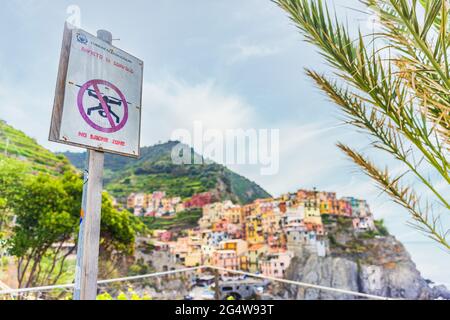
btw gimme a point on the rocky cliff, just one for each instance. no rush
(366, 263)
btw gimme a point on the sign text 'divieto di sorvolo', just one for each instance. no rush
(98, 96)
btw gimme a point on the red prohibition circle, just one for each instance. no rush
(94, 84)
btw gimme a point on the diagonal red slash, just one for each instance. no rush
(104, 105)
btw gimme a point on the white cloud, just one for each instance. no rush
(25, 111)
(174, 104)
(244, 51)
(308, 158)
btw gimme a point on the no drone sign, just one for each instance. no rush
(98, 96)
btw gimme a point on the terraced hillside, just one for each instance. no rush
(17, 145)
(155, 171)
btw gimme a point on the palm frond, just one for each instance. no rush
(424, 221)
(398, 93)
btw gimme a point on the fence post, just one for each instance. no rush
(216, 285)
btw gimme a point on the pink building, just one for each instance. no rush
(345, 208)
(161, 246)
(165, 236)
(199, 200)
(180, 249)
(225, 259)
(158, 195)
(275, 264)
(317, 228)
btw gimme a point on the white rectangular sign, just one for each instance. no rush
(98, 98)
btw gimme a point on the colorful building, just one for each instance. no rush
(255, 254)
(345, 208)
(233, 214)
(254, 230)
(275, 264)
(199, 200)
(312, 213)
(239, 246)
(225, 259)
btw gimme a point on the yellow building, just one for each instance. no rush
(237, 245)
(254, 230)
(193, 259)
(271, 222)
(240, 247)
(312, 214)
(194, 253)
(244, 265)
(234, 215)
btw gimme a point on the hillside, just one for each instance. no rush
(17, 145)
(155, 171)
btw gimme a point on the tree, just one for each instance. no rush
(393, 85)
(119, 230)
(47, 213)
(44, 224)
(11, 177)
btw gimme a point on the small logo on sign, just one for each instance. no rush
(82, 38)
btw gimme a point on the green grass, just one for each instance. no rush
(68, 274)
(382, 230)
(183, 187)
(5, 264)
(328, 219)
(345, 223)
(184, 220)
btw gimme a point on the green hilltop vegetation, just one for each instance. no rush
(182, 221)
(155, 171)
(15, 144)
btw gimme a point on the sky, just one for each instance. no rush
(228, 63)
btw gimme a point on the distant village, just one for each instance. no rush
(159, 205)
(261, 237)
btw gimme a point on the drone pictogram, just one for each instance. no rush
(108, 101)
(105, 106)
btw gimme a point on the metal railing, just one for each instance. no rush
(64, 289)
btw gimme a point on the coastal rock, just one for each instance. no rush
(384, 269)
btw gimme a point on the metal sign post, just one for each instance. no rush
(89, 236)
(97, 106)
(89, 240)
